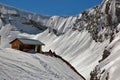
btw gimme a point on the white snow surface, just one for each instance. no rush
(17, 65)
(112, 63)
(76, 47)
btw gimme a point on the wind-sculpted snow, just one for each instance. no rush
(16, 65)
(78, 48)
(111, 63)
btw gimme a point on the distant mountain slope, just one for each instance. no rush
(22, 20)
(25, 21)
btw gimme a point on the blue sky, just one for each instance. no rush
(53, 7)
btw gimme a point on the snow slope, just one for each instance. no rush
(77, 48)
(111, 64)
(16, 65)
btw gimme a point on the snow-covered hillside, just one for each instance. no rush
(16, 65)
(82, 40)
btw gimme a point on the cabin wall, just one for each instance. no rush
(28, 47)
(16, 44)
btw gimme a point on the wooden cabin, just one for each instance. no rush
(26, 45)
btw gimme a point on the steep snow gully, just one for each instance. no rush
(89, 41)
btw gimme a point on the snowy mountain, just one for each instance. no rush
(89, 41)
